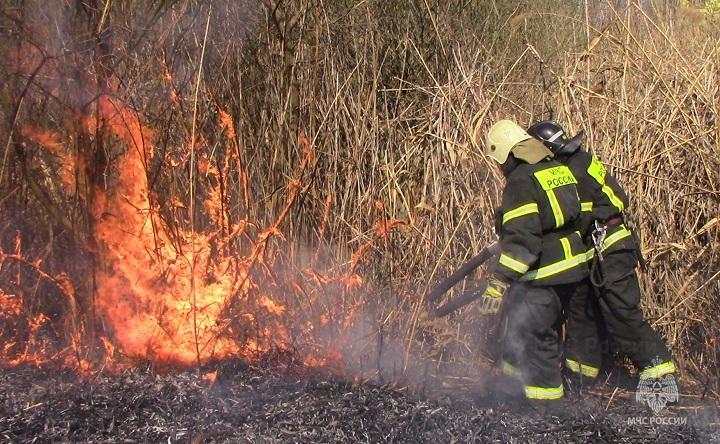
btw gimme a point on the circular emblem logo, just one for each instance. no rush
(657, 392)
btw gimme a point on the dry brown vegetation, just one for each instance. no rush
(321, 156)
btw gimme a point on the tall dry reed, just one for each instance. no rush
(376, 101)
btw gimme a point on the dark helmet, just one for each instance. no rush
(553, 136)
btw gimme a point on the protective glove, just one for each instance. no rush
(492, 297)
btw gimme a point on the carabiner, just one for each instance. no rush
(598, 237)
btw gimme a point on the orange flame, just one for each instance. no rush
(152, 296)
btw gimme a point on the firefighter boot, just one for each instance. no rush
(547, 407)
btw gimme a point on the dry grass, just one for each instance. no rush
(393, 190)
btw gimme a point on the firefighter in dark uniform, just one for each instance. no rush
(613, 275)
(542, 258)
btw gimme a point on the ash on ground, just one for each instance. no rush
(263, 404)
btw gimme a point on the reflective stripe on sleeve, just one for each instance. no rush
(597, 171)
(520, 211)
(613, 198)
(586, 207)
(513, 264)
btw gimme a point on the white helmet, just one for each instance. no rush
(502, 137)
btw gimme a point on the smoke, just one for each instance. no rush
(50, 25)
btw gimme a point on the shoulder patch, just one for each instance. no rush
(597, 170)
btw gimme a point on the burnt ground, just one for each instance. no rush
(261, 404)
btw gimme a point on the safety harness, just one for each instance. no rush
(600, 238)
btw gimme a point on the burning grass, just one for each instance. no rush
(306, 218)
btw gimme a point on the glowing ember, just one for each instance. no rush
(331, 360)
(210, 377)
(271, 306)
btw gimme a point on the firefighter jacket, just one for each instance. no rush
(539, 220)
(603, 199)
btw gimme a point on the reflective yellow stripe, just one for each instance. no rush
(583, 369)
(610, 241)
(567, 250)
(557, 267)
(617, 236)
(658, 371)
(510, 370)
(597, 171)
(544, 393)
(557, 211)
(520, 211)
(513, 264)
(550, 179)
(492, 291)
(586, 206)
(613, 198)
(570, 261)
(590, 254)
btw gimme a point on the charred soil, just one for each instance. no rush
(261, 404)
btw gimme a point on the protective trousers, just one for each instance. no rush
(586, 331)
(617, 309)
(531, 349)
